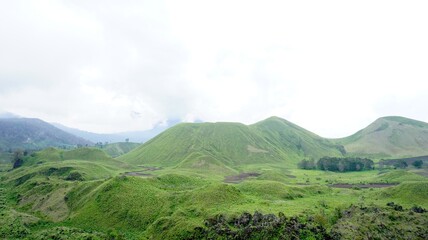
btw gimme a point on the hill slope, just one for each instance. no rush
(389, 137)
(119, 148)
(31, 133)
(225, 146)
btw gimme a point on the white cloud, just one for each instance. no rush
(329, 66)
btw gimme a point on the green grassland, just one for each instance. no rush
(171, 186)
(170, 203)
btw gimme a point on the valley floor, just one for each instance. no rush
(114, 201)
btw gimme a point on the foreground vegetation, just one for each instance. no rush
(85, 194)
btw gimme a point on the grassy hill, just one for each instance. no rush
(86, 194)
(31, 133)
(227, 146)
(120, 148)
(389, 137)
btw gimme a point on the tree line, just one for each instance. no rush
(337, 164)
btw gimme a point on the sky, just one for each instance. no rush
(331, 67)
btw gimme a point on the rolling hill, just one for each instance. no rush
(224, 146)
(32, 133)
(119, 148)
(389, 137)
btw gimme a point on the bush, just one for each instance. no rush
(418, 163)
(418, 209)
(74, 176)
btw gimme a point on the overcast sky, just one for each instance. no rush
(331, 67)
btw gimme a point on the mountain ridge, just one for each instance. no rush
(33, 133)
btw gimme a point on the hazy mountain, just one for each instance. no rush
(389, 137)
(32, 133)
(8, 115)
(135, 136)
(227, 145)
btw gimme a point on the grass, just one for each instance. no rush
(120, 148)
(88, 194)
(228, 146)
(173, 200)
(388, 137)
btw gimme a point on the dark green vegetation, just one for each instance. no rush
(177, 186)
(31, 133)
(389, 137)
(417, 162)
(355, 222)
(336, 164)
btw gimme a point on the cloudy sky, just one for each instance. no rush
(331, 67)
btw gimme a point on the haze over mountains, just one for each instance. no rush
(134, 136)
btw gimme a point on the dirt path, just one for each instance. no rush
(240, 177)
(142, 173)
(369, 185)
(138, 174)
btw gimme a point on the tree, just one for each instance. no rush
(307, 164)
(400, 164)
(18, 158)
(418, 163)
(127, 140)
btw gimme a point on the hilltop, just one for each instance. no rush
(224, 145)
(389, 137)
(32, 133)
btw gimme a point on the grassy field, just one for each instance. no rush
(84, 192)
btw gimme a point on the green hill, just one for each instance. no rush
(89, 162)
(120, 148)
(226, 146)
(389, 137)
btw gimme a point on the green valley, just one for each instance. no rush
(212, 181)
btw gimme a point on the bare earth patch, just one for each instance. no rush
(142, 173)
(255, 150)
(422, 172)
(240, 177)
(138, 174)
(147, 168)
(369, 185)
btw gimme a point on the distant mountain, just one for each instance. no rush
(135, 136)
(389, 137)
(8, 115)
(225, 146)
(32, 133)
